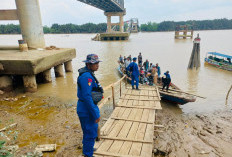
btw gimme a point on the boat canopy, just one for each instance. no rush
(219, 54)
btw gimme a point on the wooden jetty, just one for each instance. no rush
(129, 130)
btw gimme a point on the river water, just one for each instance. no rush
(158, 47)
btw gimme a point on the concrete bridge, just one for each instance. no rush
(110, 8)
(106, 5)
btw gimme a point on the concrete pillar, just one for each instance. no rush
(121, 25)
(68, 66)
(30, 22)
(30, 84)
(59, 71)
(6, 83)
(47, 76)
(108, 23)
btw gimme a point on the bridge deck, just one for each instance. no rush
(129, 130)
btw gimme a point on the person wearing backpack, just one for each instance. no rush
(89, 94)
(134, 69)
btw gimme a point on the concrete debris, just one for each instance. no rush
(1, 92)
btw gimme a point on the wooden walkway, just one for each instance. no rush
(130, 129)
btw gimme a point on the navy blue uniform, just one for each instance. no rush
(166, 81)
(87, 111)
(133, 67)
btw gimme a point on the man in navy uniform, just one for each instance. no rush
(166, 81)
(133, 67)
(87, 109)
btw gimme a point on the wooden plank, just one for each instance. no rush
(141, 95)
(102, 153)
(109, 123)
(132, 120)
(150, 99)
(116, 146)
(138, 107)
(127, 145)
(136, 147)
(144, 89)
(113, 132)
(129, 139)
(147, 148)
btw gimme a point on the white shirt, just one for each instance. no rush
(127, 63)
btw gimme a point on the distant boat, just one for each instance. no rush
(219, 60)
(174, 95)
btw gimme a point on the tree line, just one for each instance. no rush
(101, 27)
(196, 24)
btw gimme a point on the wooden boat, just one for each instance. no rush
(219, 60)
(174, 94)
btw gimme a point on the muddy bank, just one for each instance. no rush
(42, 120)
(48, 120)
(203, 135)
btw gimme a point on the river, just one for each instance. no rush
(158, 47)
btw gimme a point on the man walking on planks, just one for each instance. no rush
(89, 94)
(133, 67)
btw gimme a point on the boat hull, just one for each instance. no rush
(218, 64)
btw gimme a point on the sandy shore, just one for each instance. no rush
(47, 120)
(195, 135)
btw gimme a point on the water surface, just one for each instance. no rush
(159, 47)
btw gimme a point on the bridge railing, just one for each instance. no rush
(119, 2)
(112, 95)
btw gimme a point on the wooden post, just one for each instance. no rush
(113, 97)
(98, 133)
(126, 82)
(120, 88)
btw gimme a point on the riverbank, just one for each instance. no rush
(195, 135)
(48, 120)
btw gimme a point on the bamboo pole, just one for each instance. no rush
(186, 93)
(113, 97)
(228, 94)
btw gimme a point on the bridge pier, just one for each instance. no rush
(113, 34)
(120, 24)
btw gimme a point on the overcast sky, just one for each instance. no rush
(73, 11)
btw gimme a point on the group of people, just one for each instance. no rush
(144, 72)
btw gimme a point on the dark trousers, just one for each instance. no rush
(89, 128)
(166, 83)
(135, 81)
(151, 80)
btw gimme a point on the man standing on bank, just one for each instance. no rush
(133, 67)
(140, 59)
(89, 94)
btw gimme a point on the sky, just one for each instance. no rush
(73, 11)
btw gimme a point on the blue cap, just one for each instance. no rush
(134, 58)
(92, 58)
